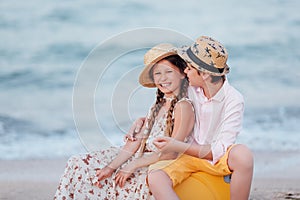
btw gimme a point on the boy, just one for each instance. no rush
(219, 112)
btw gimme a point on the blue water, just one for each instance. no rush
(44, 43)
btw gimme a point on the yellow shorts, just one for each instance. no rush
(181, 168)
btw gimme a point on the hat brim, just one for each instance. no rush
(145, 78)
(182, 52)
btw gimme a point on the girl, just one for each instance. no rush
(124, 171)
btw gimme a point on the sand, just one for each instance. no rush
(276, 176)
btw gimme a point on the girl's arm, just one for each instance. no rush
(143, 161)
(124, 154)
(183, 125)
(184, 119)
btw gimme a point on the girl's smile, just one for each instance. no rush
(167, 77)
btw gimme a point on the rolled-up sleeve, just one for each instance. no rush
(230, 127)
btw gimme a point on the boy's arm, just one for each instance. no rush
(134, 129)
(230, 128)
(167, 144)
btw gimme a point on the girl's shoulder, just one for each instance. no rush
(185, 99)
(185, 102)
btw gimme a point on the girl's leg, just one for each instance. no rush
(161, 185)
(240, 161)
(67, 183)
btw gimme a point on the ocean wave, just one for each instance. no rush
(65, 52)
(21, 139)
(34, 79)
(264, 130)
(272, 129)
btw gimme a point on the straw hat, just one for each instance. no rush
(207, 55)
(152, 56)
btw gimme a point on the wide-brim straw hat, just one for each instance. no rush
(207, 55)
(152, 56)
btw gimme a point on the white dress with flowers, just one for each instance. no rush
(76, 181)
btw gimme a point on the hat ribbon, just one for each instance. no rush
(202, 64)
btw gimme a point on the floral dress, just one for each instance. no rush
(76, 182)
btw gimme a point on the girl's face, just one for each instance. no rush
(167, 77)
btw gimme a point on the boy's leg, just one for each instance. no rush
(240, 161)
(161, 185)
(161, 182)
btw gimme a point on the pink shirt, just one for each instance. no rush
(219, 119)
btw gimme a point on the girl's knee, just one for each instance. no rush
(240, 156)
(153, 177)
(157, 176)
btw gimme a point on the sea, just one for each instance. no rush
(69, 69)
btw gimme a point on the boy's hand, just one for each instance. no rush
(134, 129)
(167, 144)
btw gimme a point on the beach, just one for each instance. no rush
(38, 179)
(69, 82)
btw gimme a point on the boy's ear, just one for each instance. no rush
(205, 76)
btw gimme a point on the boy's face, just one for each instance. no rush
(195, 79)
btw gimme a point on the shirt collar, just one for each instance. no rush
(221, 93)
(200, 93)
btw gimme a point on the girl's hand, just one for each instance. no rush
(103, 174)
(124, 174)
